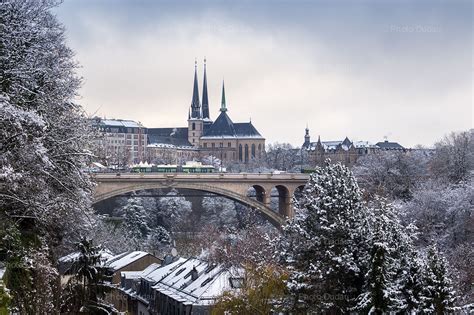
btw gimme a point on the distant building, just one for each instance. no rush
(222, 138)
(126, 141)
(123, 142)
(344, 151)
(390, 146)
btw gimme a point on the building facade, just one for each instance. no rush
(122, 143)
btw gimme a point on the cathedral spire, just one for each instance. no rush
(223, 105)
(205, 100)
(195, 104)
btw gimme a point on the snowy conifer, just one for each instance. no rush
(135, 221)
(381, 292)
(174, 210)
(158, 238)
(321, 244)
(438, 295)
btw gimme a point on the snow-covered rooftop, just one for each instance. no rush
(121, 123)
(212, 280)
(170, 146)
(159, 273)
(124, 259)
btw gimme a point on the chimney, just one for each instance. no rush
(194, 274)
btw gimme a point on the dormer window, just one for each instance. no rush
(236, 283)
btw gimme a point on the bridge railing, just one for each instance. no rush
(230, 176)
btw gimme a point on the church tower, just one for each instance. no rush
(205, 98)
(307, 141)
(195, 122)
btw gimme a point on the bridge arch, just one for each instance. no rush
(258, 192)
(284, 200)
(274, 218)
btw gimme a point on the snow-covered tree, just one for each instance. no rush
(385, 243)
(135, 222)
(43, 138)
(390, 174)
(438, 295)
(211, 160)
(174, 211)
(454, 157)
(284, 157)
(410, 281)
(219, 211)
(111, 235)
(443, 213)
(158, 238)
(321, 244)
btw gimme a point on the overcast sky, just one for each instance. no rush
(362, 69)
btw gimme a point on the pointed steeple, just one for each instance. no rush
(205, 100)
(195, 104)
(223, 105)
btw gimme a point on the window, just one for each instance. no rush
(205, 144)
(253, 151)
(229, 144)
(240, 152)
(193, 134)
(246, 153)
(213, 145)
(194, 126)
(236, 283)
(221, 145)
(193, 140)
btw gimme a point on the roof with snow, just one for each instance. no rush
(389, 145)
(171, 136)
(121, 123)
(124, 259)
(196, 282)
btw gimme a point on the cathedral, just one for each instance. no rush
(220, 138)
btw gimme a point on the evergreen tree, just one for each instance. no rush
(322, 244)
(438, 295)
(174, 210)
(158, 238)
(380, 292)
(135, 222)
(410, 273)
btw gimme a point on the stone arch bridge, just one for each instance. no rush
(233, 186)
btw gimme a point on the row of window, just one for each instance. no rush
(244, 156)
